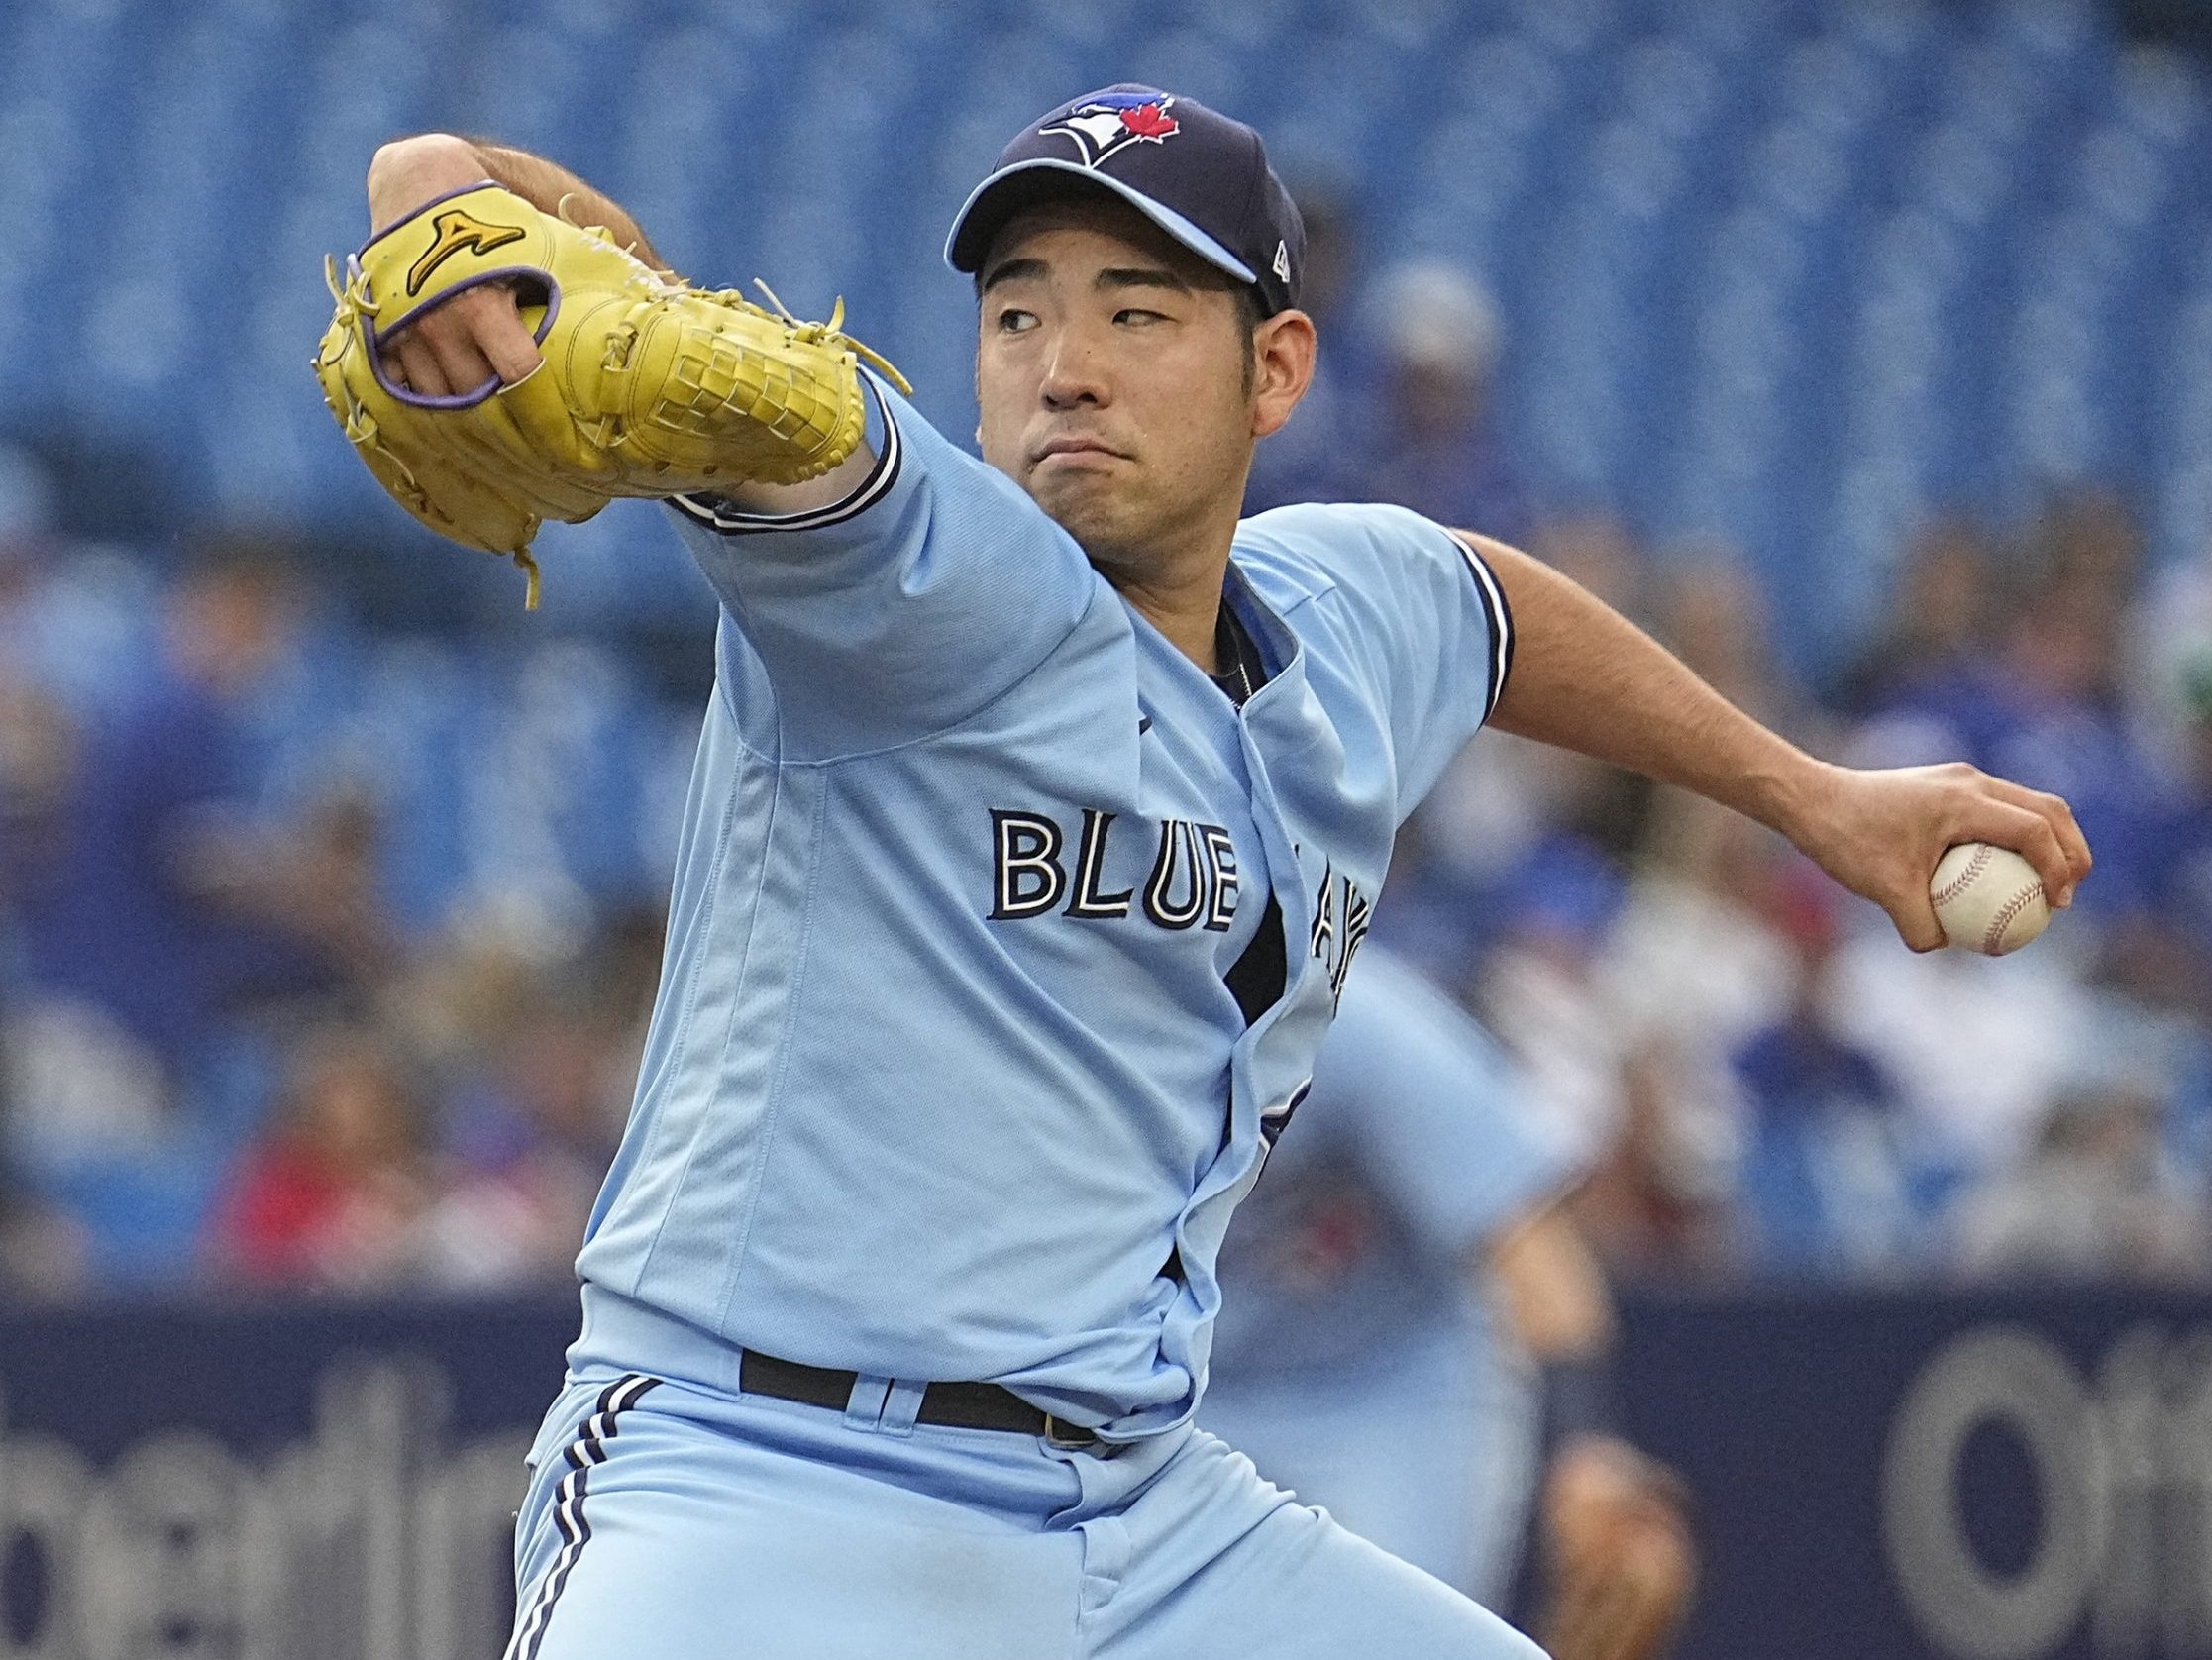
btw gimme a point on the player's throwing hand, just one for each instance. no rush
(1881, 833)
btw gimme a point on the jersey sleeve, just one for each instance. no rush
(1443, 1123)
(1417, 614)
(904, 610)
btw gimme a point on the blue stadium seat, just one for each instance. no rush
(1974, 186)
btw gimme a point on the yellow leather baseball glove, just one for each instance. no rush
(649, 387)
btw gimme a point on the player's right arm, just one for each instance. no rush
(1587, 679)
(480, 332)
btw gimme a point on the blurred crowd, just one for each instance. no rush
(325, 956)
(1767, 1081)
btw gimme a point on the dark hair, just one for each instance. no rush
(1251, 312)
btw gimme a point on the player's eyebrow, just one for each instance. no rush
(1141, 276)
(1013, 270)
(1113, 277)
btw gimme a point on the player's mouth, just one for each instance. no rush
(1073, 446)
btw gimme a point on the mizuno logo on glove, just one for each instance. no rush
(456, 229)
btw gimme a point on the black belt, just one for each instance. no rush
(951, 1405)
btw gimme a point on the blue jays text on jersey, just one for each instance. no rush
(953, 1074)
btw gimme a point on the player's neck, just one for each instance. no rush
(1176, 584)
(1185, 604)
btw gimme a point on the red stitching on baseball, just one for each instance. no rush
(2011, 908)
(1958, 883)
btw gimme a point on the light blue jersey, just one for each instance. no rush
(1355, 1359)
(955, 1073)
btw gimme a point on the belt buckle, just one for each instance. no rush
(1070, 1438)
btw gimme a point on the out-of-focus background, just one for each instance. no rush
(1861, 349)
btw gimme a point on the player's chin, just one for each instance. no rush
(1082, 501)
(1115, 552)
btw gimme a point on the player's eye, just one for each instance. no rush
(1013, 322)
(1136, 317)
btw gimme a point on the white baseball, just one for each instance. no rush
(1989, 898)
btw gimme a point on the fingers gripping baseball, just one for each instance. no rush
(2072, 846)
(2029, 834)
(1882, 833)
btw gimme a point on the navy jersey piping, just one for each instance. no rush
(1496, 613)
(724, 520)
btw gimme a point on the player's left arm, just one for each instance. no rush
(481, 333)
(1586, 679)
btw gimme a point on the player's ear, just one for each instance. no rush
(1283, 348)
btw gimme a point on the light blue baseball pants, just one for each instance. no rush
(670, 1521)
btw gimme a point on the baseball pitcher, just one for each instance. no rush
(1037, 815)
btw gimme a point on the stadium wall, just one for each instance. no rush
(2008, 1477)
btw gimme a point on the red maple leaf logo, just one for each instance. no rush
(1148, 121)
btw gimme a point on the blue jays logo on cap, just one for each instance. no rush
(1212, 189)
(1112, 121)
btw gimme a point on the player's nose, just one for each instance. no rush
(1074, 372)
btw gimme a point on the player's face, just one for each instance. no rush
(1114, 378)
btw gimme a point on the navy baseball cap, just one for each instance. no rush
(1200, 176)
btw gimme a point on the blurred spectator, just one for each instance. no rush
(1695, 966)
(333, 1195)
(2170, 648)
(27, 517)
(41, 1252)
(1656, 1204)
(160, 905)
(1305, 460)
(1538, 984)
(2087, 535)
(2095, 1197)
(1975, 1045)
(1693, 954)
(1713, 616)
(2043, 706)
(1691, 959)
(534, 1126)
(1690, 970)
(1502, 817)
(1824, 1190)
(1426, 437)
(2176, 851)
(1939, 621)
(39, 752)
(1594, 548)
